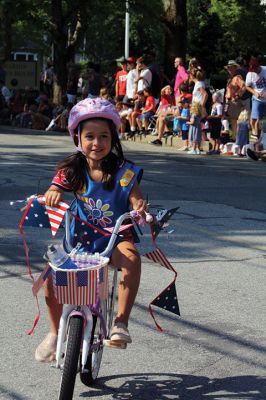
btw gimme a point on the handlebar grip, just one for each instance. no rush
(148, 217)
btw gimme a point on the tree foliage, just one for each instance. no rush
(219, 29)
(212, 30)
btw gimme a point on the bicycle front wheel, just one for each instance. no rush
(71, 358)
(94, 359)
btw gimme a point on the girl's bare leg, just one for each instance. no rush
(126, 257)
(54, 309)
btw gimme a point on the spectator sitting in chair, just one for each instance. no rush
(139, 104)
(259, 147)
(148, 110)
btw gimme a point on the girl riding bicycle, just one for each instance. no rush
(105, 185)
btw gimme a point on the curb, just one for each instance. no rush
(23, 131)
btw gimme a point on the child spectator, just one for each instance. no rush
(196, 112)
(123, 110)
(104, 94)
(132, 117)
(183, 118)
(60, 119)
(148, 111)
(242, 133)
(17, 104)
(167, 98)
(225, 136)
(184, 92)
(167, 102)
(215, 124)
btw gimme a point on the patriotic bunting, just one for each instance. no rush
(41, 216)
(158, 257)
(161, 219)
(35, 215)
(167, 300)
(56, 215)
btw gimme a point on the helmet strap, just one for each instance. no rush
(79, 146)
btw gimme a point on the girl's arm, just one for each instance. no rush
(136, 199)
(53, 196)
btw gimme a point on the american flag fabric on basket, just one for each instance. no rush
(78, 288)
(103, 283)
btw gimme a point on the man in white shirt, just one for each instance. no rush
(256, 84)
(143, 74)
(131, 79)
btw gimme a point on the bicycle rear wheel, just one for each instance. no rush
(94, 359)
(71, 358)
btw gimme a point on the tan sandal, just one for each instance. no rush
(120, 333)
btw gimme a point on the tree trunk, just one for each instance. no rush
(64, 46)
(6, 22)
(175, 21)
(59, 37)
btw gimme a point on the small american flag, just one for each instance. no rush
(40, 281)
(103, 283)
(78, 288)
(56, 215)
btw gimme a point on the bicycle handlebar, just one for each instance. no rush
(133, 215)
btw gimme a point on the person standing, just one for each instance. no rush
(235, 97)
(93, 81)
(72, 84)
(131, 79)
(121, 80)
(181, 75)
(256, 85)
(48, 79)
(143, 74)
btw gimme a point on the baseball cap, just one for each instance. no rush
(131, 60)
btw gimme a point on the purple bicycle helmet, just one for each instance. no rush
(91, 108)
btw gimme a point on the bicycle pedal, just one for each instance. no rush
(114, 344)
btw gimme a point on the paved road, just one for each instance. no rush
(217, 350)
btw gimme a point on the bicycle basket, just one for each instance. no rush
(81, 286)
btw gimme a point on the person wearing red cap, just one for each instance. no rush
(121, 80)
(256, 84)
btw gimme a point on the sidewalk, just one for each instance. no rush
(174, 142)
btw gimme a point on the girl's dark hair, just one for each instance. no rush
(74, 165)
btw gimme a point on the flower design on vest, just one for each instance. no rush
(98, 213)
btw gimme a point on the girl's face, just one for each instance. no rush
(96, 139)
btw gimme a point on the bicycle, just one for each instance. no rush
(86, 325)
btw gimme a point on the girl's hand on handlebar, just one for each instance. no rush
(143, 211)
(53, 196)
(141, 207)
